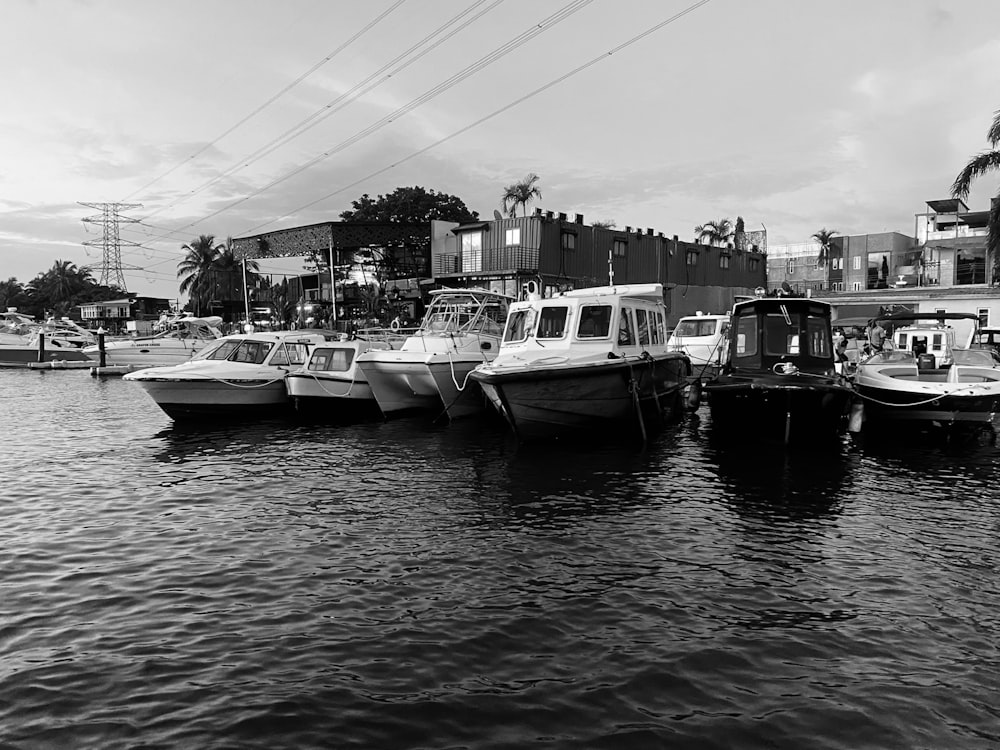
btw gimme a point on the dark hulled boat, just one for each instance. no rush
(778, 380)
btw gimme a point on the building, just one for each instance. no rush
(558, 253)
(118, 315)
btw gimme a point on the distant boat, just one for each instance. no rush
(22, 338)
(702, 338)
(587, 363)
(242, 375)
(778, 381)
(183, 338)
(430, 371)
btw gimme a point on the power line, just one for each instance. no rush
(483, 62)
(342, 101)
(495, 113)
(274, 98)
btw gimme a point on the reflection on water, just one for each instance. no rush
(409, 584)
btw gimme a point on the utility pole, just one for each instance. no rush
(110, 242)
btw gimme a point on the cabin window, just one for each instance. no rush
(253, 352)
(937, 342)
(512, 236)
(819, 337)
(221, 351)
(696, 327)
(519, 325)
(642, 325)
(595, 321)
(626, 329)
(331, 360)
(656, 326)
(551, 323)
(984, 316)
(618, 248)
(746, 336)
(781, 335)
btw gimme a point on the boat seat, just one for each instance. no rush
(972, 374)
(926, 362)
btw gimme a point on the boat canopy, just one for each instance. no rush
(902, 317)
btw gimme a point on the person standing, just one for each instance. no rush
(877, 336)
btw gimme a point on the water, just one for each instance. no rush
(401, 585)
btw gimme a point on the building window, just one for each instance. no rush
(512, 236)
(754, 262)
(857, 263)
(692, 257)
(790, 267)
(723, 261)
(836, 264)
(618, 248)
(984, 316)
(857, 286)
(568, 241)
(472, 251)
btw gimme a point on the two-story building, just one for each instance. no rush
(559, 253)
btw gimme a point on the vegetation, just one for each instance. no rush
(210, 273)
(409, 205)
(716, 233)
(824, 236)
(520, 194)
(978, 166)
(609, 224)
(55, 291)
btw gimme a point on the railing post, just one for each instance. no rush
(41, 346)
(102, 353)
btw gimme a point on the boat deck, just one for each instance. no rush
(954, 374)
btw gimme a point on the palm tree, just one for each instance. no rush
(978, 166)
(823, 237)
(62, 284)
(197, 270)
(716, 232)
(520, 194)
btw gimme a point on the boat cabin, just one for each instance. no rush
(625, 319)
(775, 333)
(928, 335)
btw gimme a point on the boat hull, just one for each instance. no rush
(605, 398)
(892, 407)
(414, 381)
(777, 409)
(22, 356)
(140, 356)
(207, 398)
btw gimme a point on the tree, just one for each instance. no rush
(196, 270)
(520, 194)
(59, 288)
(11, 293)
(716, 232)
(823, 237)
(409, 205)
(609, 224)
(979, 165)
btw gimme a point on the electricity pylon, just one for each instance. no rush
(110, 242)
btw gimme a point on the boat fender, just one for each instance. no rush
(692, 395)
(857, 416)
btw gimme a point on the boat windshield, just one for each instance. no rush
(897, 356)
(696, 327)
(978, 357)
(237, 350)
(595, 322)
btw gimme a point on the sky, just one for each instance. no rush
(237, 117)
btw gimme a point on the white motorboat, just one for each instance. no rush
(588, 362)
(24, 341)
(702, 338)
(461, 329)
(331, 381)
(183, 338)
(925, 380)
(238, 375)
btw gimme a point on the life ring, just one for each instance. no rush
(394, 325)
